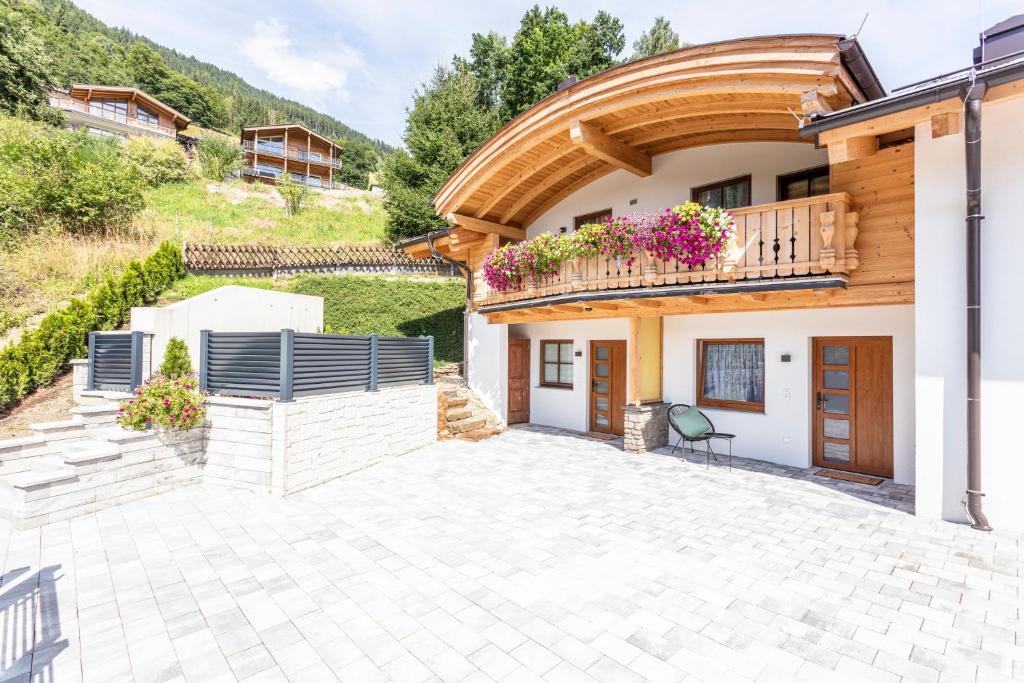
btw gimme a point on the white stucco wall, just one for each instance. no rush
(782, 434)
(941, 319)
(674, 175)
(227, 309)
(488, 363)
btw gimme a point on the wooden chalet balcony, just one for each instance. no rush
(800, 238)
(294, 153)
(70, 104)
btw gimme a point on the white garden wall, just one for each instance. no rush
(674, 174)
(227, 309)
(941, 319)
(487, 363)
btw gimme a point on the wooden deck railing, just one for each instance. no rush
(295, 153)
(800, 237)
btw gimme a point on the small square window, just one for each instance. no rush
(556, 358)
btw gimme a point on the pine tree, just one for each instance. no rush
(661, 38)
(176, 361)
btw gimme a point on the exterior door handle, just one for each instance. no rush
(819, 401)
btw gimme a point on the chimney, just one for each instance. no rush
(1005, 39)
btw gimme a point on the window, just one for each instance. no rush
(274, 145)
(146, 116)
(116, 110)
(809, 183)
(588, 218)
(556, 363)
(727, 194)
(99, 132)
(730, 374)
(268, 170)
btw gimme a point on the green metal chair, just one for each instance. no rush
(692, 426)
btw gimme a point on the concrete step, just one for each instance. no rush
(87, 452)
(458, 402)
(466, 425)
(479, 434)
(39, 474)
(456, 414)
(21, 443)
(451, 393)
(101, 413)
(118, 435)
(60, 430)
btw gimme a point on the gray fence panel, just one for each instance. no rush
(327, 363)
(403, 360)
(243, 363)
(111, 361)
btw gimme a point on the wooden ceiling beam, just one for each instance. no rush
(946, 124)
(851, 149)
(608, 149)
(544, 160)
(544, 185)
(693, 111)
(602, 170)
(486, 227)
(724, 124)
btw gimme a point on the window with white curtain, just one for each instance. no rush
(730, 374)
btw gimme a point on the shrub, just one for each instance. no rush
(218, 157)
(42, 354)
(171, 403)
(295, 195)
(176, 363)
(390, 306)
(63, 180)
(158, 162)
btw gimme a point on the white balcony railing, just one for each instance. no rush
(73, 105)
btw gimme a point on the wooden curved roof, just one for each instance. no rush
(738, 90)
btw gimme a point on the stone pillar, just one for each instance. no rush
(79, 378)
(646, 427)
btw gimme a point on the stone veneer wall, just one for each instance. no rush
(318, 438)
(238, 442)
(646, 427)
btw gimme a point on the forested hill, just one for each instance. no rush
(82, 49)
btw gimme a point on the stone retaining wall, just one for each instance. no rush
(238, 442)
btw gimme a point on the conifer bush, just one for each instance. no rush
(177, 363)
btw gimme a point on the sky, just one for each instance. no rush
(360, 60)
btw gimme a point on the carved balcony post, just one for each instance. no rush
(827, 255)
(577, 274)
(852, 257)
(729, 261)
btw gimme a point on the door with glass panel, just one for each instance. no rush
(607, 386)
(853, 404)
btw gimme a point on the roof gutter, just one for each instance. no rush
(856, 62)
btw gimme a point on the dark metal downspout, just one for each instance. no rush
(972, 135)
(469, 298)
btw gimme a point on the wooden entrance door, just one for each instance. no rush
(518, 380)
(853, 404)
(607, 386)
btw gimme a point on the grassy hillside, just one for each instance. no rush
(366, 304)
(49, 267)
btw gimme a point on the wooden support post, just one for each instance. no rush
(635, 349)
(285, 152)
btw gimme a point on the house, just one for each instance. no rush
(272, 150)
(832, 330)
(116, 111)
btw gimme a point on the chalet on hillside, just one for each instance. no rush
(116, 111)
(841, 324)
(273, 150)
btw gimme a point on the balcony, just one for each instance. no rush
(68, 104)
(794, 242)
(294, 153)
(269, 175)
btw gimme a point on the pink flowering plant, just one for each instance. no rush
(689, 234)
(170, 403)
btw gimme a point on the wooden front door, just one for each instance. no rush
(853, 404)
(518, 380)
(607, 386)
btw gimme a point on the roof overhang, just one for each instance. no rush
(732, 91)
(90, 91)
(853, 133)
(286, 126)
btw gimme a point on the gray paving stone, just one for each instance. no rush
(535, 555)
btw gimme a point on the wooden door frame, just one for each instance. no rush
(611, 384)
(508, 379)
(817, 430)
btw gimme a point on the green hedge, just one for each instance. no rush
(391, 306)
(42, 354)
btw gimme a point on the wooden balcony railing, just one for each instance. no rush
(800, 237)
(70, 104)
(274, 150)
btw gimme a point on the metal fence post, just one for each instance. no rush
(90, 383)
(287, 365)
(136, 367)
(374, 361)
(430, 360)
(204, 353)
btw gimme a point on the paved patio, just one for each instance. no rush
(532, 556)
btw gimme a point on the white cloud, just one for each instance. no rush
(270, 49)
